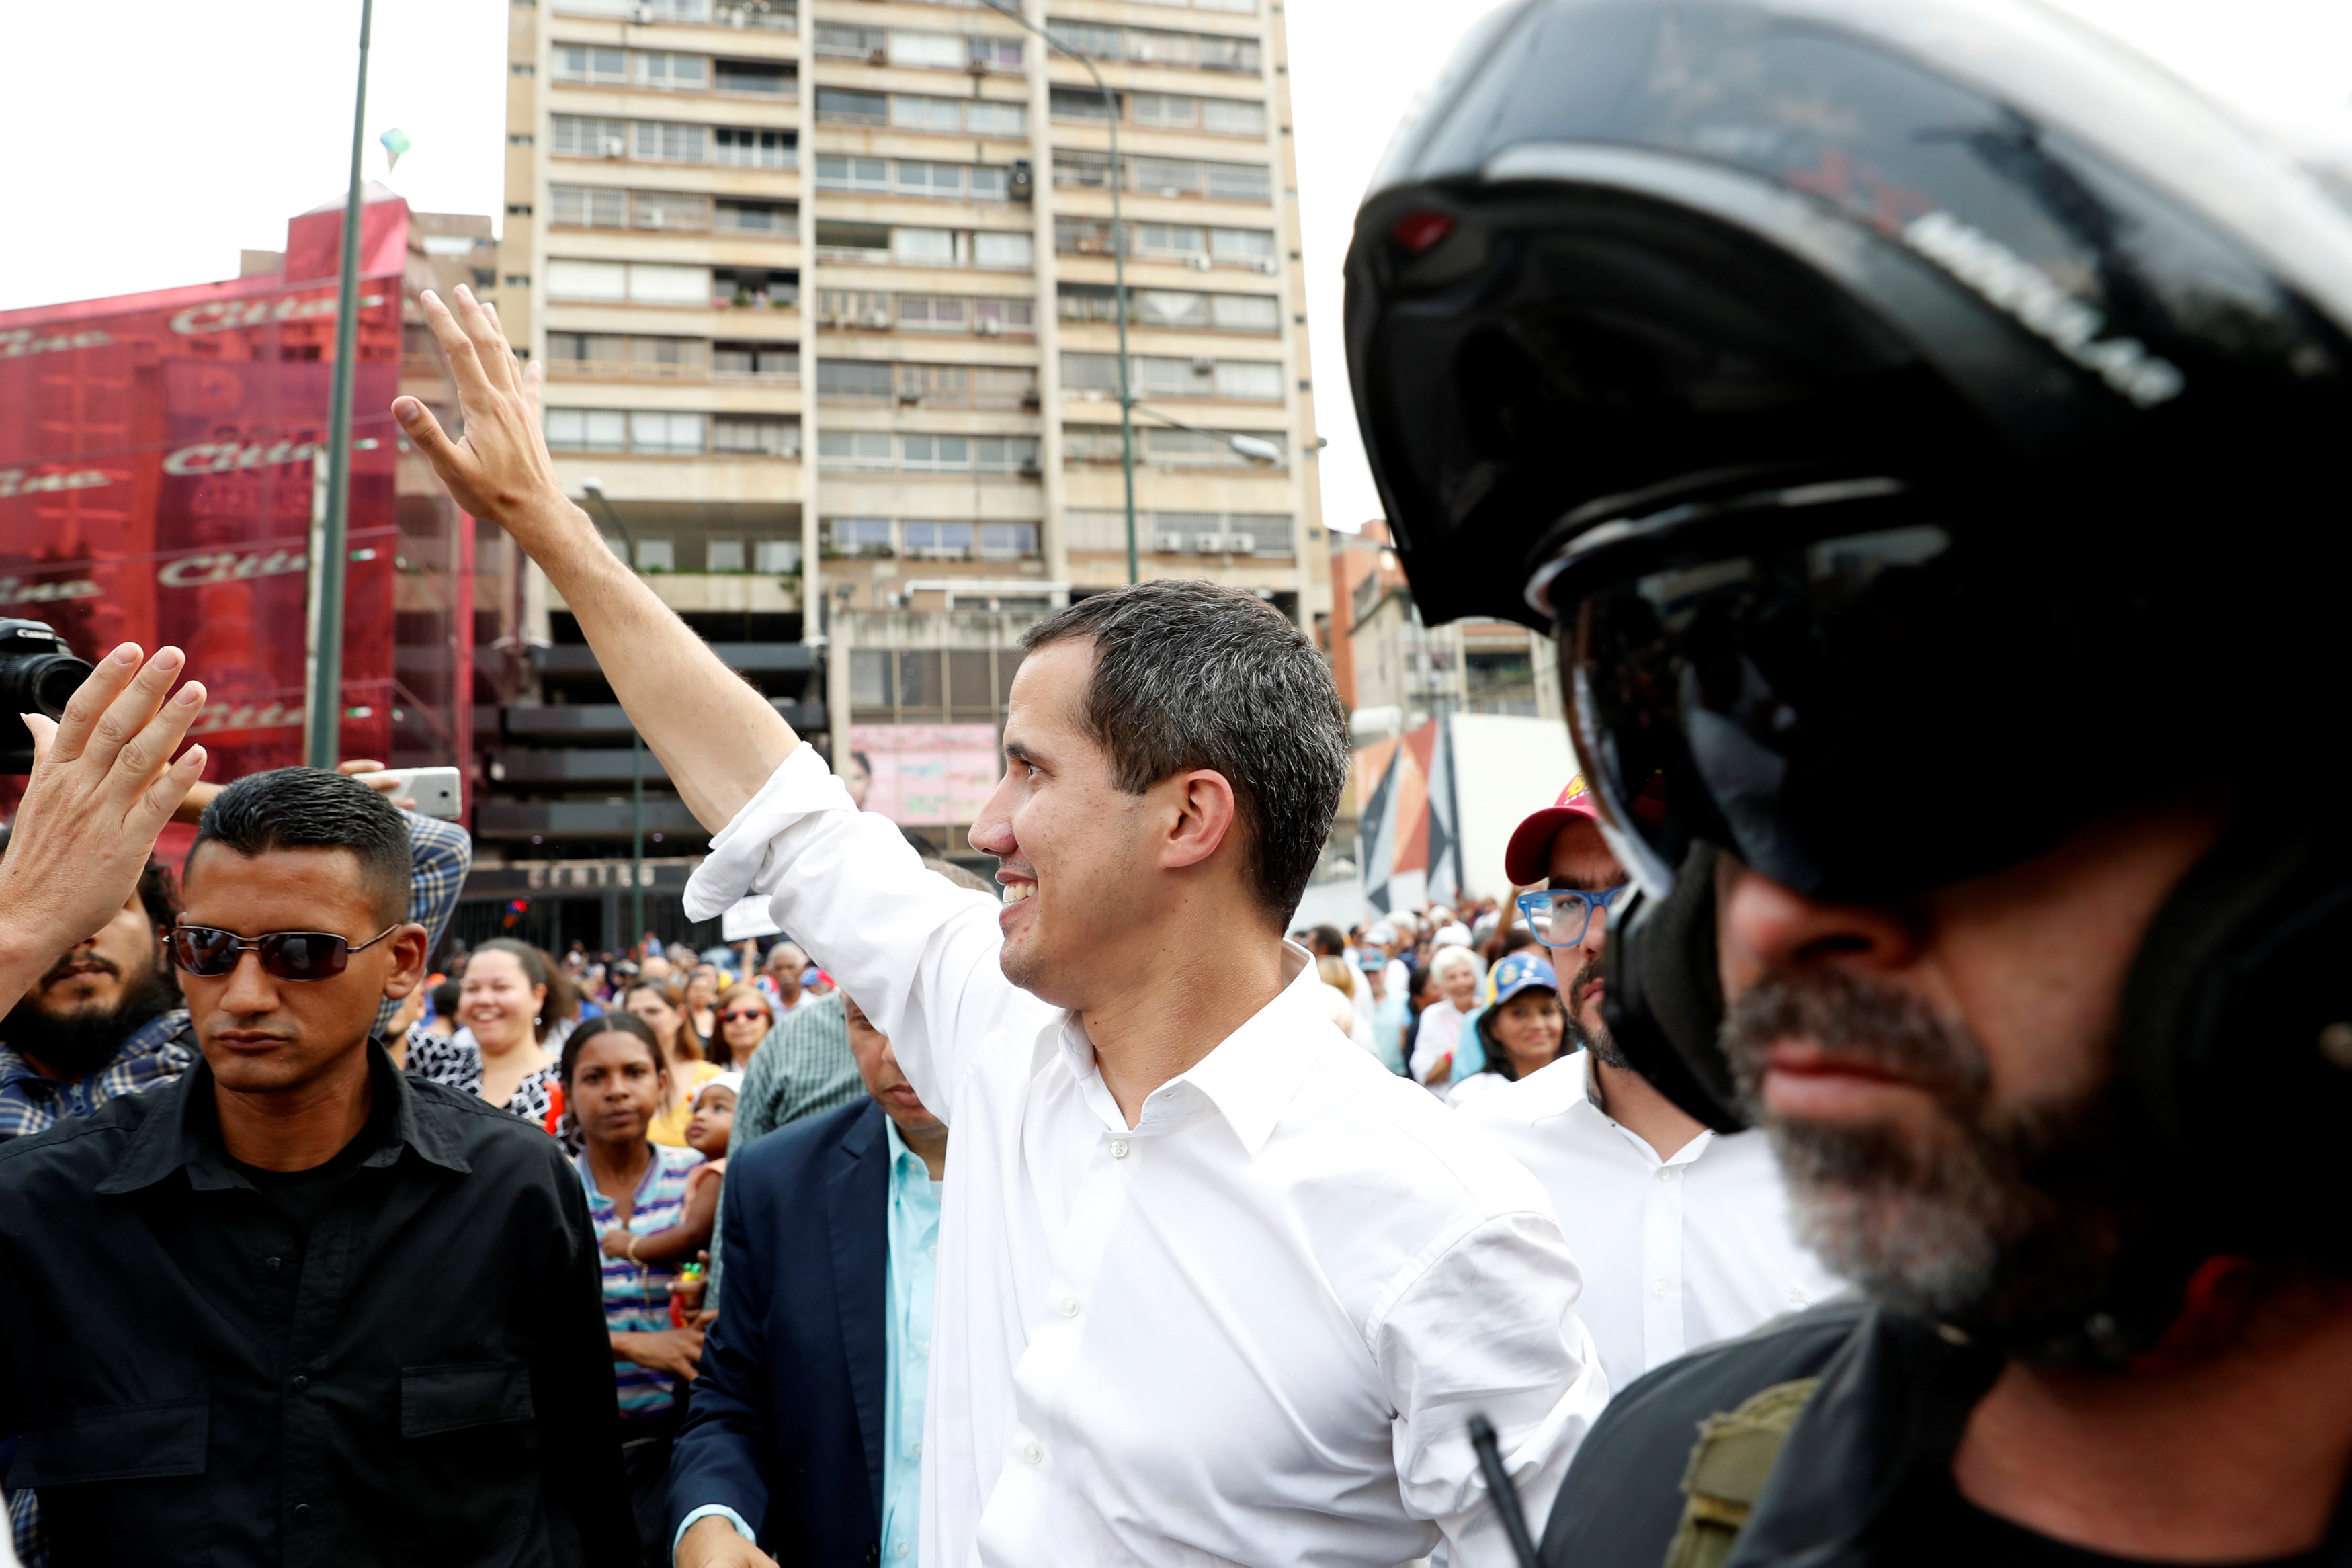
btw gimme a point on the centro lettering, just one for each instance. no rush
(222, 315)
(18, 341)
(228, 457)
(16, 482)
(196, 570)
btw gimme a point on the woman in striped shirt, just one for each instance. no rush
(615, 1082)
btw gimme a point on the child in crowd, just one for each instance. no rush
(706, 1133)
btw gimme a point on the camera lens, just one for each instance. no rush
(49, 683)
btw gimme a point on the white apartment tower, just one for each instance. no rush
(824, 292)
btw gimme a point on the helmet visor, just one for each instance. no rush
(1870, 699)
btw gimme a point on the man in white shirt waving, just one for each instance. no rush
(1682, 1234)
(1212, 1286)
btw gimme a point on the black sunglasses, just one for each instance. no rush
(289, 955)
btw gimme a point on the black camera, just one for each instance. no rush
(38, 673)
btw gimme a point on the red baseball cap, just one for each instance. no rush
(1526, 860)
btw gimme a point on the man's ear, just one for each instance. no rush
(411, 946)
(1205, 812)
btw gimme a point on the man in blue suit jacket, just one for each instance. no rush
(804, 1433)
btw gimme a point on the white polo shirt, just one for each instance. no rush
(1676, 1253)
(1249, 1329)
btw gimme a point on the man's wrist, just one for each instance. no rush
(716, 1511)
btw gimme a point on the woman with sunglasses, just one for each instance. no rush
(615, 1080)
(658, 1006)
(501, 1049)
(745, 1016)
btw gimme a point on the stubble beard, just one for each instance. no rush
(82, 1038)
(1995, 1222)
(1595, 1039)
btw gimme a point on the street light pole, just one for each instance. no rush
(596, 488)
(326, 705)
(1117, 270)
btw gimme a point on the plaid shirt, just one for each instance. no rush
(439, 855)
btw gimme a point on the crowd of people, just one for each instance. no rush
(1822, 1156)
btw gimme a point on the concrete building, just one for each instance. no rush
(824, 292)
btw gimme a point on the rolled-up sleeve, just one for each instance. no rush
(1489, 1326)
(917, 952)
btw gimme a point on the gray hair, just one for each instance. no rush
(1188, 675)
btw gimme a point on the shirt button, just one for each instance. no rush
(1659, 1289)
(932, 1250)
(301, 1512)
(1033, 1454)
(919, 1450)
(902, 1549)
(1665, 1173)
(1119, 1148)
(273, 1264)
(301, 1383)
(924, 1348)
(1070, 1309)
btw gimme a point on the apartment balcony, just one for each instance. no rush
(571, 724)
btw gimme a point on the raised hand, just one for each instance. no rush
(104, 786)
(500, 468)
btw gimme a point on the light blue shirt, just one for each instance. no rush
(913, 1262)
(910, 1264)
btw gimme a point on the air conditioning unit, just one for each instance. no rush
(1265, 265)
(909, 399)
(1029, 470)
(1030, 401)
(645, 15)
(615, 148)
(878, 55)
(879, 320)
(988, 327)
(1168, 544)
(1020, 183)
(1208, 544)
(1198, 263)
(1203, 365)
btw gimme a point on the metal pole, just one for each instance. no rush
(1117, 270)
(326, 706)
(637, 752)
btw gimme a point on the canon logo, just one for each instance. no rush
(17, 341)
(228, 566)
(221, 314)
(16, 482)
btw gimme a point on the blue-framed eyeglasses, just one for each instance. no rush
(1559, 916)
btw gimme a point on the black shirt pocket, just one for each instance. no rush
(145, 1441)
(435, 1399)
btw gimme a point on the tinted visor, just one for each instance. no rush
(1867, 699)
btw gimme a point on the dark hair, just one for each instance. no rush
(446, 998)
(537, 971)
(1188, 675)
(607, 1023)
(689, 1040)
(1498, 1060)
(312, 808)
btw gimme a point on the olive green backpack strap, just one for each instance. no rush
(1728, 1467)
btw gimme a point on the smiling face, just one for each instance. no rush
(1078, 876)
(1937, 1077)
(615, 1089)
(1456, 979)
(1529, 1027)
(497, 1001)
(263, 1035)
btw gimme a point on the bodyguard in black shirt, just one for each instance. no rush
(296, 1307)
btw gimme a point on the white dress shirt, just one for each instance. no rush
(1251, 1328)
(1435, 1039)
(1676, 1253)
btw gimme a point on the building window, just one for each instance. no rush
(1080, 103)
(588, 206)
(842, 106)
(909, 48)
(938, 541)
(765, 434)
(747, 149)
(837, 172)
(1007, 541)
(841, 41)
(756, 217)
(1174, 308)
(577, 63)
(1164, 447)
(932, 313)
(674, 73)
(854, 448)
(587, 430)
(657, 283)
(923, 248)
(722, 555)
(586, 136)
(862, 380)
(1158, 46)
(776, 558)
(760, 361)
(1263, 534)
(990, 248)
(754, 287)
(751, 77)
(603, 280)
(578, 350)
(855, 538)
(661, 141)
(674, 210)
(662, 433)
(993, 54)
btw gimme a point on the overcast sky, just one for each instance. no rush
(151, 139)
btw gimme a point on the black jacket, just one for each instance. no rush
(424, 1378)
(784, 1426)
(1863, 1480)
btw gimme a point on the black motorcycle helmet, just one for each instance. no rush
(1919, 425)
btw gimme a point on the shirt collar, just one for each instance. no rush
(903, 1160)
(1580, 1092)
(1254, 1072)
(187, 1135)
